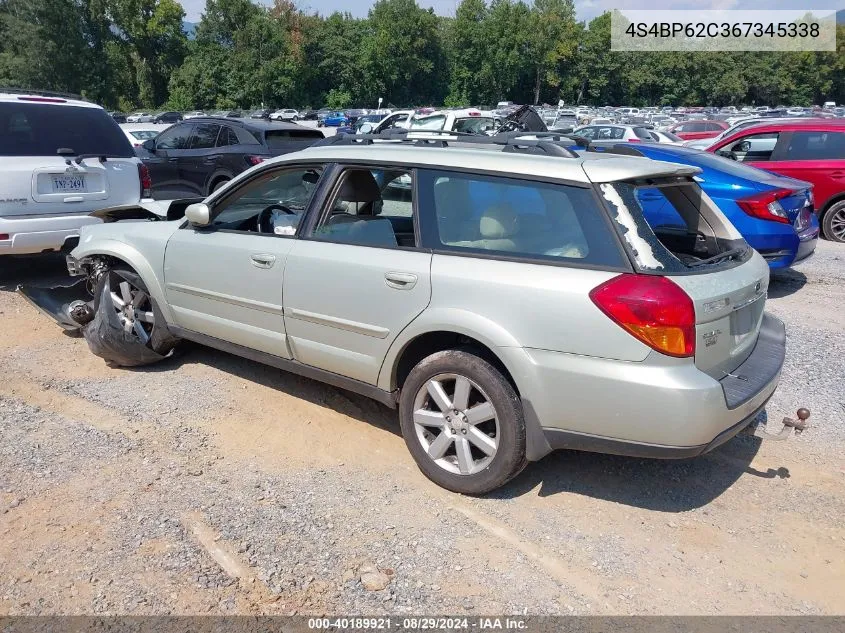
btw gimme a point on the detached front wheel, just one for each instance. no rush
(462, 422)
(127, 328)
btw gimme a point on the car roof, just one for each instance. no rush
(798, 124)
(259, 124)
(45, 98)
(590, 167)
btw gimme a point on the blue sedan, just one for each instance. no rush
(773, 213)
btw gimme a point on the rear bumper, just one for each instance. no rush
(38, 233)
(660, 407)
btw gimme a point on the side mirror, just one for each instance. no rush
(198, 214)
(365, 129)
(149, 145)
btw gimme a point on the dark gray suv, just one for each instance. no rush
(196, 157)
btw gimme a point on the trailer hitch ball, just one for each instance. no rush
(799, 425)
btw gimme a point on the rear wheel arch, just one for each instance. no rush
(425, 344)
(216, 180)
(839, 197)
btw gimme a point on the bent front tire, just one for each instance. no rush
(128, 329)
(462, 422)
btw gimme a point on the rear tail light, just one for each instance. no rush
(255, 160)
(4, 236)
(653, 309)
(766, 205)
(146, 181)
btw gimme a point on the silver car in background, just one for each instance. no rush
(506, 295)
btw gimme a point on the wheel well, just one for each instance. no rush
(216, 180)
(427, 344)
(833, 200)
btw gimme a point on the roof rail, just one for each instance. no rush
(556, 145)
(41, 93)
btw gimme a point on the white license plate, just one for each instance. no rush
(68, 184)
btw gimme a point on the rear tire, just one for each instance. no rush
(462, 422)
(833, 222)
(128, 329)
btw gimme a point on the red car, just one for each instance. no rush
(811, 150)
(694, 130)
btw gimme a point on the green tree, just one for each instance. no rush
(401, 55)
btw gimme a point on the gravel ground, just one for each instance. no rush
(209, 484)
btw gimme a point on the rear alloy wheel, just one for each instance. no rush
(462, 422)
(833, 222)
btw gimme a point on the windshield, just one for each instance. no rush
(672, 137)
(28, 129)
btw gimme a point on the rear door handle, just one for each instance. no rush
(263, 260)
(172, 160)
(837, 174)
(400, 281)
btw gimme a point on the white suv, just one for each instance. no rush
(60, 159)
(288, 114)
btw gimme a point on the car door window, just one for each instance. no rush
(370, 207)
(273, 203)
(587, 132)
(204, 136)
(227, 137)
(822, 145)
(751, 148)
(177, 137)
(491, 215)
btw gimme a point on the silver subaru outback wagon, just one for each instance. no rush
(507, 296)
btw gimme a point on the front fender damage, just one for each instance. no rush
(69, 303)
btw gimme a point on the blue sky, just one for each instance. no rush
(587, 9)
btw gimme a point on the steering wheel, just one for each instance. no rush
(263, 222)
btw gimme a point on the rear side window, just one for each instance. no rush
(516, 218)
(291, 140)
(205, 135)
(816, 146)
(29, 129)
(226, 137)
(644, 134)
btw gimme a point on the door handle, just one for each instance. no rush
(263, 260)
(172, 160)
(400, 281)
(837, 174)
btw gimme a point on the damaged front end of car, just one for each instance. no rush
(71, 303)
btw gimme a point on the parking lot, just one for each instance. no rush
(211, 484)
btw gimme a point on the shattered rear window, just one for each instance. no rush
(669, 226)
